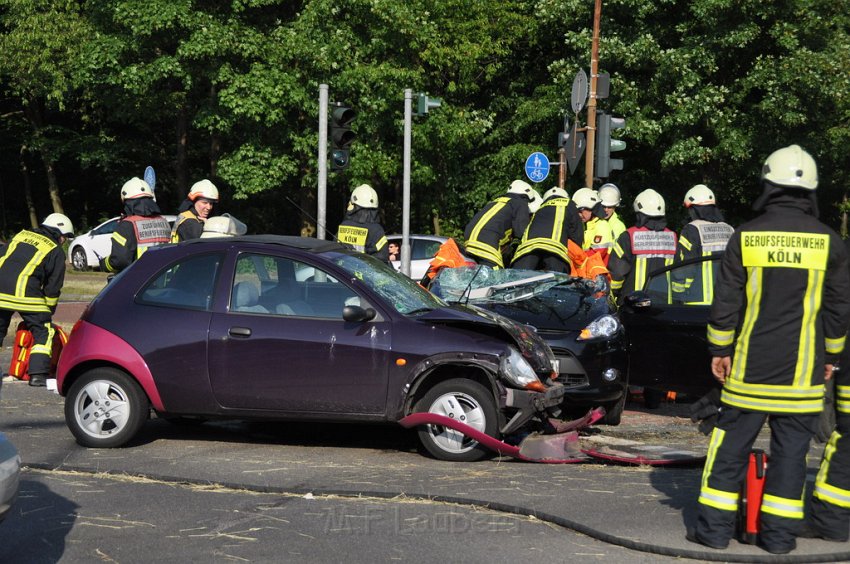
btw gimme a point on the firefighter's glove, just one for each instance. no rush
(705, 411)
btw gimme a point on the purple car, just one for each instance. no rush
(231, 328)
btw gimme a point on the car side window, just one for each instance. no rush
(424, 249)
(188, 283)
(107, 228)
(283, 287)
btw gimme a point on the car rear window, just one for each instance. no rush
(188, 283)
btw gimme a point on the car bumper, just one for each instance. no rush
(593, 373)
(527, 404)
(10, 470)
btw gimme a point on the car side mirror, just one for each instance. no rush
(638, 300)
(357, 314)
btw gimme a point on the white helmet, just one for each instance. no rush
(791, 167)
(223, 226)
(364, 196)
(699, 195)
(203, 189)
(610, 195)
(555, 192)
(136, 188)
(649, 202)
(585, 198)
(520, 187)
(61, 222)
(535, 201)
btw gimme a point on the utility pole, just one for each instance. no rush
(591, 105)
(405, 208)
(321, 196)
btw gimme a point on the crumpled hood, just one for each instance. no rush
(535, 350)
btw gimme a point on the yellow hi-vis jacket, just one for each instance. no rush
(788, 274)
(32, 271)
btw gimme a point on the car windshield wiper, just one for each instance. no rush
(424, 309)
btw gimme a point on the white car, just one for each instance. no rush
(422, 250)
(10, 474)
(86, 249)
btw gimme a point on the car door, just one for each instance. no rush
(666, 328)
(101, 240)
(282, 344)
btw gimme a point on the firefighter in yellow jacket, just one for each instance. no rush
(598, 237)
(704, 236)
(141, 226)
(194, 211)
(32, 272)
(829, 515)
(544, 242)
(361, 229)
(609, 195)
(778, 321)
(491, 231)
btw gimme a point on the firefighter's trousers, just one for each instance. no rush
(39, 324)
(725, 470)
(830, 510)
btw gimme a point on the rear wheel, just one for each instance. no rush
(466, 401)
(78, 259)
(105, 408)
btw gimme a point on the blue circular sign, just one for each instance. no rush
(537, 167)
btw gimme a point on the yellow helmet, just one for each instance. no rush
(649, 202)
(791, 167)
(699, 195)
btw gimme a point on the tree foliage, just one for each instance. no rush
(229, 90)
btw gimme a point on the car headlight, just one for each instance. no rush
(603, 328)
(517, 371)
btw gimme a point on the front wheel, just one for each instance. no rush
(466, 401)
(78, 259)
(105, 408)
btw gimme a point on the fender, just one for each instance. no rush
(91, 343)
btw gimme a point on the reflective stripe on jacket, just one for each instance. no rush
(32, 271)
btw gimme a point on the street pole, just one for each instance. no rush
(405, 207)
(321, 196)
(591, 105)
(562, 168)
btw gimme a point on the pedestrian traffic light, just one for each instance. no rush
(341, 136)
(605, 145)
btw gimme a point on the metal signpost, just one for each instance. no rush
(321, 196)
(405, 207)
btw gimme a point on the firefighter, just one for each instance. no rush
(642, 248)
(609, 194)
(829, 514)
(778, 320)
(32, 271)
(361, 229)
(490, 232)
(597, 234)
(706, 235)
(194, 211)
(545, 239)
(141, 226)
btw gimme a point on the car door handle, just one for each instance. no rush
(239, 332)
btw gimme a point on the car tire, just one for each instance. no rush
(105, 408)
(468, 401)
(79, 260)
(614, 411)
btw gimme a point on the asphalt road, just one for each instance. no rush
(261, 492)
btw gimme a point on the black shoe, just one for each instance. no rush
(39, 380)
(692, 536)
(776, 549)
(809, 531)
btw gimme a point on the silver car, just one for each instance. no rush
(10, 473)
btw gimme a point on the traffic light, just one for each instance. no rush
(424, 103)
(605, 145)
(341, 136)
